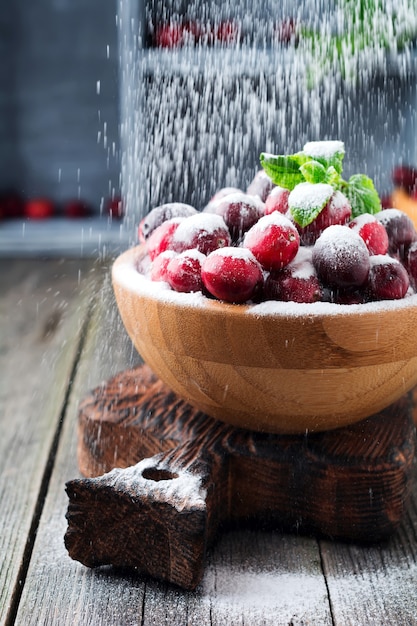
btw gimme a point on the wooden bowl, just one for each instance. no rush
(275, 367)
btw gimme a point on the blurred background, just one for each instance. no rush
(155, 101)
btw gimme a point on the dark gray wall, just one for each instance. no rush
(59, 97)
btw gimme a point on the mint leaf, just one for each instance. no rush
(284, 170)
(362, 195)
(313, 172)
(333, 177)
(307, 200)
(328, 153)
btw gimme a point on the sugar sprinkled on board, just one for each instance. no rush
(182, 489)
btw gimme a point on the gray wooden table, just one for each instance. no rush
(60, 335)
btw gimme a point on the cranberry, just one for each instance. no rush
(372, 232)
(159, 265)
(219, 195)
(297, 282)
(405, 177)
(160, 214)
(341, 257)
(400, 229)
(240, 212)
(12, 204)
(411, 263)
(77, 208)
(184, 271)
(273, 240)
(204, 231)
(277, 200)
(232, 274)
(114, 208)
(161, 237)
(336, 211)
(39, 208)
(388, 279)
(261, 185)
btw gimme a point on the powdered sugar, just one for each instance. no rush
(324, 149)
(275, 218)
(302, 265)
(236, 252)
(128, 276)
(191, 226)
(307, 196)
(183, 489)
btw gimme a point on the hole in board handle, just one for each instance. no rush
(153, 473)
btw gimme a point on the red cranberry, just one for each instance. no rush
(388, 279)
(12, 204)
(184, 271)
(400, 230)
(240, 212)
(341, 257)
(159, 265)
(260, 186)
(336, 211)
(232, 274)
(372, 232)
(77, 208)
(297, 282)
(277, 200)
(405, 177)
(204, 231)
(161, 237)
(219, 195)
(160, 214)
(39, 208)
(273, 240)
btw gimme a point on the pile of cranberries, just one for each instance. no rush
(246, 247)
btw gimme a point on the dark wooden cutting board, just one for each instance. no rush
(182, 476)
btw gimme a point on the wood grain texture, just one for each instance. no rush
(42, 313)
(59, 590)
(203, 474)
(280, 371)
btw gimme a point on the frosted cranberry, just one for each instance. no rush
(260, 186)
(400, 230)
(277, 200)
(341, 257)
(232, 274)
(336, 211)
(372, 232)
(158, 271)
(388, 279)
(411, 264)
(219, 195)
(161, 237)
(273, 240)
(184, 271)
(161, 214)
(297, 282)
(240, 212)
(204, 231)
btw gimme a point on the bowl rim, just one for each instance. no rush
(125, 272)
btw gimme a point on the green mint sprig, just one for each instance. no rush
(288, 171)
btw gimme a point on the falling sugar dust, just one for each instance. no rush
(207, 87)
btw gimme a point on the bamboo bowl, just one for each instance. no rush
(274, 367)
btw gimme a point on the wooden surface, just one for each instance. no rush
(58, 340)
(268, 367)
(178, 478)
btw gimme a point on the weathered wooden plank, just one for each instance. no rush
(375, 585)
(251, 578)
(42, 313)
